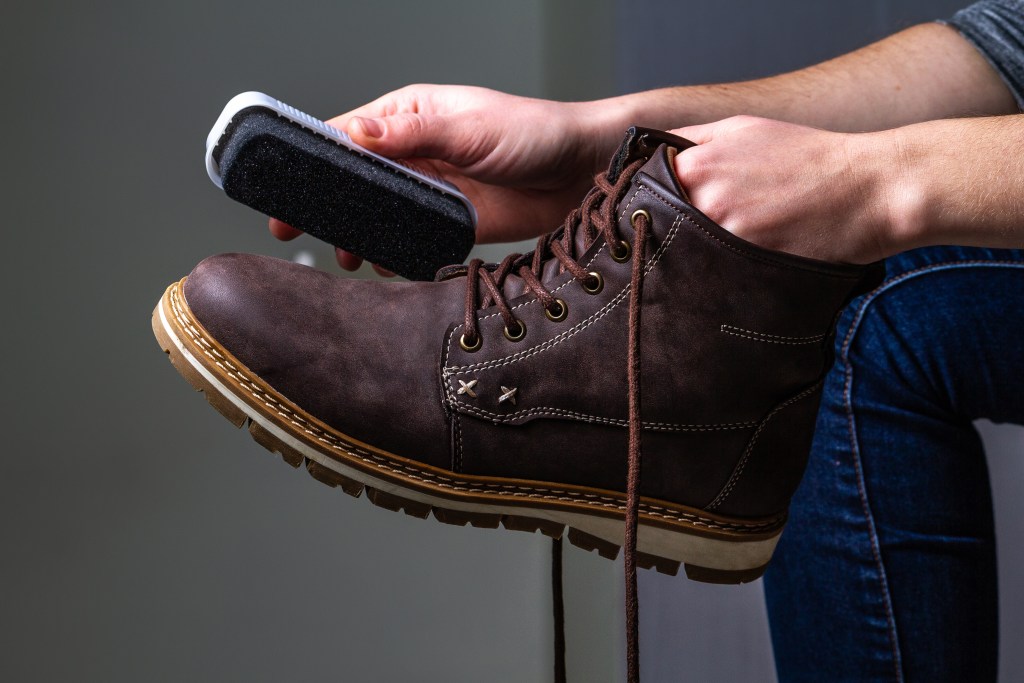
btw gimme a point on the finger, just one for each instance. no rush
(698, 134)
(402, 100)
(694, 169)
(383, 272)
(407, 135)
(283, 231)
(346, 260)
(705, 132)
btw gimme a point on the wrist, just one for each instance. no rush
(602, 125)
(894, 198)
(604, 122)
(907, 214)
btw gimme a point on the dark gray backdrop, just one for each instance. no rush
(147, 540)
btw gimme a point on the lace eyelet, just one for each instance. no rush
(594, 283)
(562, 309)
(637, 214)
(620, 254)
(471, 348)
(518, 333)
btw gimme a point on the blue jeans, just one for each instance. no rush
(887, 570)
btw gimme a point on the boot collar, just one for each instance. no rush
(642, 143)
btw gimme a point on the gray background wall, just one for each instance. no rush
(146, 540)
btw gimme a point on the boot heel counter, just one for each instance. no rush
(770, 469)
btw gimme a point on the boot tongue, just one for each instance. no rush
(640, 143)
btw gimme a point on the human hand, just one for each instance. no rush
(791, 188)
(524, 163)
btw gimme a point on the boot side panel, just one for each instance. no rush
(773, 461)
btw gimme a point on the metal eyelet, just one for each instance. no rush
(562, 309)
(593, 283)
(471, 348)
(518, 333)
(637, 214)
(621, 253)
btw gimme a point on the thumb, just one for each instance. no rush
(409, 135)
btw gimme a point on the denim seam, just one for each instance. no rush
(851, 423)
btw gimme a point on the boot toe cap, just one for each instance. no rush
(328, 344)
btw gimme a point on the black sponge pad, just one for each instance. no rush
(341, 196)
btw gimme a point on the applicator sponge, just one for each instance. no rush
(340, 196)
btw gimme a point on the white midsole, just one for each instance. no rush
(682, 547)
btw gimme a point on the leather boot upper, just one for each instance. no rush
(735, 341)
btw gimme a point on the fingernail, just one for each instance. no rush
(371, 128)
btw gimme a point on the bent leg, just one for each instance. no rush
(886, 570)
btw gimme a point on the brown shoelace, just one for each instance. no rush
(596, 218)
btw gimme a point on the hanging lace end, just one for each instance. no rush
(641, 226)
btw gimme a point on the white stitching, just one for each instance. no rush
(636, 194)
(561, 286)
(559, 412)
(771, 338)
(570, 281)
(579, 327)
(378, 461)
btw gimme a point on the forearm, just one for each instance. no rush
(951, 182)
(923, 73)
(859, 197)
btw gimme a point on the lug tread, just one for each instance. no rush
(481, 520)
(229, 410)
(532, 525)
(390, 501)
(723, 576)
(272, 444)
(333, 479)
(659, 564)
(588, 542)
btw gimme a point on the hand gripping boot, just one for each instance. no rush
(510, 394)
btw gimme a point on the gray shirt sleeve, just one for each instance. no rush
(996, 28)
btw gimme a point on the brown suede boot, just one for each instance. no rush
(504, 394)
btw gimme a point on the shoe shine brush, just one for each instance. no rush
(293, 167)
